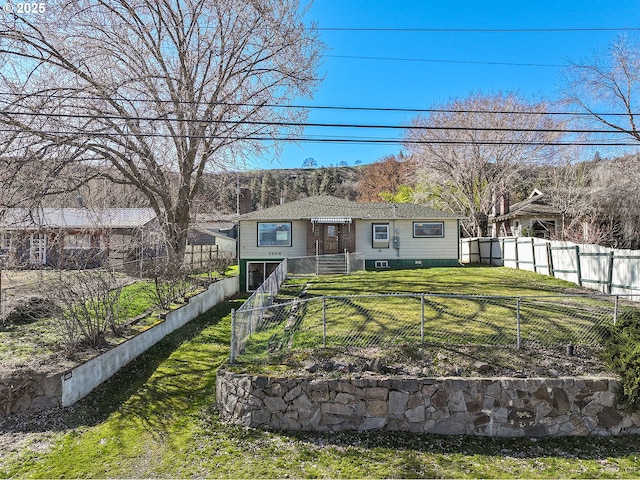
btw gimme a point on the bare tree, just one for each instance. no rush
(471, 151)
(162, 90)
(609, 83)
(616, 199)
(567, 186)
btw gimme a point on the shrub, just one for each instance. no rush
(622, 355)
(90, 305)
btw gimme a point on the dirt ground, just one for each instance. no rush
(440, 361)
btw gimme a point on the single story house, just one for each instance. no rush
(389, 235)
(533, 217)
(76, 237)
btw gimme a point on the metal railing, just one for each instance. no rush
(387, 320)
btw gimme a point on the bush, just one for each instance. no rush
(90, 305)
(622, 355)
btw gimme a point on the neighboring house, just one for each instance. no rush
(533, 217)
(389, 235)
(217, 223)
(77, 237)
(224, 245)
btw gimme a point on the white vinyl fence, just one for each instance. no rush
(608, 270)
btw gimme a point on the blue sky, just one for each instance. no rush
(459, 63)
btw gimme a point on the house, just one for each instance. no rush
(389, 235)
(76, 237)
(533, 217)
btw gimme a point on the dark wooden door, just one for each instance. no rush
(331, 241)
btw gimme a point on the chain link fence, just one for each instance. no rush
(388, 320)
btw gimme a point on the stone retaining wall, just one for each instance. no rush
(29, 390)
(500, 407)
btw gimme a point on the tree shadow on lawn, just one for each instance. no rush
(153, 387)
(579, 448)
(473, 279)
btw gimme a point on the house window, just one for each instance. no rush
(274, 234)
(5, 240)
(380, 235)
(428, 229)
(80, 241)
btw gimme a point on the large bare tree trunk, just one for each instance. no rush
(161, 90)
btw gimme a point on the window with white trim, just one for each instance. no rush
(5, 240)
(380, 232)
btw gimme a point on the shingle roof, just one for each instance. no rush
(23, 218)
(536, 204)
(328, 206)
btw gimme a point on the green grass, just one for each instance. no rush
(390, 320)
(469, 280)
(156, 419)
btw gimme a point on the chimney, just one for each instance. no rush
(504, 204)
(244, 203)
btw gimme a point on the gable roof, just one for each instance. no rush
(70, 218)
(536, 205)
(328, 207)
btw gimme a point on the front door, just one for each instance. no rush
(331, 242)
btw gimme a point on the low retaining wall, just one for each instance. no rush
(498, 407)
(81, 380)
(29, 390)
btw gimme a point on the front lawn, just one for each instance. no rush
(469, 280)
(156, 419)
(502, 307)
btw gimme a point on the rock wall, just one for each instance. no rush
(500, 407)
(29, 390)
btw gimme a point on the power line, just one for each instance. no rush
(318, 107)
(477, 30)
(321, 124)
(345, 140)
(464, 62)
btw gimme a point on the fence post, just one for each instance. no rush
(550, 260)
(610, 272)
(518, 323)
(578, 267)
(232, 358)
(615, 309)
(324, 322)
(422, 318)
(533, 254)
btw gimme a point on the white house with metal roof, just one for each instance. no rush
(391, 236)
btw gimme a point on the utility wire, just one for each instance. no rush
(315, 107)
(317, 125)
(464, 62)
(308, 139)
(476, 30)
